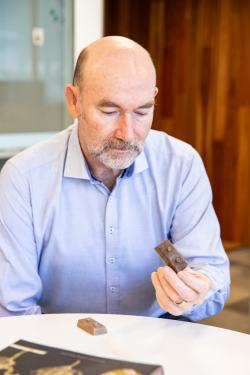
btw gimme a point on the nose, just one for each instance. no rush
(124, 129)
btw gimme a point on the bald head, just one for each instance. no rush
(113, 98)
(110, 56)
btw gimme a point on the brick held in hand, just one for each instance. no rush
(92, 326)
(171, 256)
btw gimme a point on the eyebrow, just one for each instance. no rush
(107, 103)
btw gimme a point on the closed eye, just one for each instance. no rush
(109, 113)
(141, 113)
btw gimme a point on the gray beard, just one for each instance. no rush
(107, 156)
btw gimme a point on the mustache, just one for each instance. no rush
(121, 145)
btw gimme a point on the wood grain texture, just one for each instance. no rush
(202, 56)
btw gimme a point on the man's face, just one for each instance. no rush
(115, 115)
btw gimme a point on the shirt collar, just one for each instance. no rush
(75, 163)
(139, 165)
(77, 167)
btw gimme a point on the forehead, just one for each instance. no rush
(120, 82)
(123, 93)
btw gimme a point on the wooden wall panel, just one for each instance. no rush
(202, 56)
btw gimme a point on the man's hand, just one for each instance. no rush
(178, 293)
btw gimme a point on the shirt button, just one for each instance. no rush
(112, 260)
(113, 289)
(111, 230)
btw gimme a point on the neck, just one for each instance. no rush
(107, 177)
(102, 173)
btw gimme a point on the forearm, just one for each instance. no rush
(11, 311)
(20, 283)
(212, 305)
(220, 284)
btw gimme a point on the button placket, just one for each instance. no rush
(111, 234)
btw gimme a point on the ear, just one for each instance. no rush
(72, 97)
(156, 91)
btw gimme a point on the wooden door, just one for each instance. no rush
(201, 49)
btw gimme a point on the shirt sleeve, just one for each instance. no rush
(20, 284)
(196, 233)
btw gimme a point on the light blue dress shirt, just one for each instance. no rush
(68, 244)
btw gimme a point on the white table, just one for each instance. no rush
(182, 348)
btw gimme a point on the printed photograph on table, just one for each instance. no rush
(24, 357)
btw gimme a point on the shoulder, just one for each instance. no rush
(164, 147)
(41, 155)
(171, 158)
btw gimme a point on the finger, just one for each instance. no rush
(185, 291)
(165, 302)
(169, 306)
(154, 280)
(195, 280)
(169, 290)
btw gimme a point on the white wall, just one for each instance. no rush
(88, 23)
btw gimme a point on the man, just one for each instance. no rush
(81, 213)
